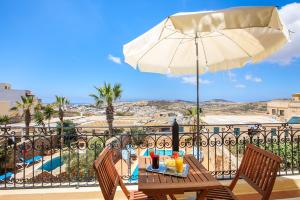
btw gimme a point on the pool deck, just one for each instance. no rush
(28, 171)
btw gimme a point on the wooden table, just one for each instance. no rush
(159, 185)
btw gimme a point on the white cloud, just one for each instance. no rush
(192, 80)
(204, 81)
(290, 15)
(257, 80)
(172, 76)
(189, 80)
(249, 77)
(114, 59)
(240, 86)
(231, 76)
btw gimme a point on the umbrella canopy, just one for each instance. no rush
(225, 39)
(199, 42)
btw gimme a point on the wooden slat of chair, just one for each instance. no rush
(258, 168)
(109, 178)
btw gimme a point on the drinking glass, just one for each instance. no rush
(155, 162)
(179, 164)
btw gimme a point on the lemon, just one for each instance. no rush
(170, 163)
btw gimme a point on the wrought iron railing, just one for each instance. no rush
(45, 158)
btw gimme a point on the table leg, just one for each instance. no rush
(172, 196)
(160, 196)
(201, 195)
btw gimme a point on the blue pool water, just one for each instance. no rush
(49, 166)
(161, 152)
(134, 176)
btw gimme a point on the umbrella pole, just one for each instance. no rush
(198, 117)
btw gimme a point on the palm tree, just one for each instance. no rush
(25, 106)
(48, 113)
(192, 113)
(61, 103)
(39, 118)
(4, 120)
(108, 94)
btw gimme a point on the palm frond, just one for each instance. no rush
(98, 100)
(61, 101)
(107, 94)
(117, 91)
(39, 118)
(48, 111)
(15, 108)
(4, 119)
(24, 99)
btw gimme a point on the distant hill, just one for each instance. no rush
(214, 106)
(217, 101)
(211, 107)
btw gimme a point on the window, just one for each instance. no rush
(216, 130)
(236, 131)
(273, 132)
(273, 111)
(165, 129)
(281, 112)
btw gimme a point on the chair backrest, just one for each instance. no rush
(107, 175)
(259, 169)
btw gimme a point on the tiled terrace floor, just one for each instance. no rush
(285, 188)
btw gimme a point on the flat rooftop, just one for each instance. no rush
(239, 119)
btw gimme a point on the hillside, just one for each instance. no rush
(215, 106)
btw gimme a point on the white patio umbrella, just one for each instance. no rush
(199, 42)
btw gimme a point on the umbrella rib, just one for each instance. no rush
(236, 44)
(175, 53)
(154, 46)
(250, 27)
(163, 29)
(179, 38)
(203, 50)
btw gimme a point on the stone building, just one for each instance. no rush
(9, 96)
(285, 109)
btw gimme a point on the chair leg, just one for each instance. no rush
(201, 195)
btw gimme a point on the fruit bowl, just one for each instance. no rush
(170, 164)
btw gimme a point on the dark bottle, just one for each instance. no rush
(155, 162)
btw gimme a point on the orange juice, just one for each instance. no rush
(179, 164)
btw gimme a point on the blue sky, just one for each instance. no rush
(65, 47)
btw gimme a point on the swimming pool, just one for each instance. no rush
(161, 152)
(49, 166)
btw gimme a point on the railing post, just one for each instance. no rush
(175, 136)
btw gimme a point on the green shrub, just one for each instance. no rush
(6, 158)
(79, 162)
(69, 134)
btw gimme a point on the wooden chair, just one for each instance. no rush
(258, 168)
(109, 178)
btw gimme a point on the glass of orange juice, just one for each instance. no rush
(179, 164)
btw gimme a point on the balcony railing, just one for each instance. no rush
(47, 158)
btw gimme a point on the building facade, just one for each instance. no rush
(9, 96)
(285, 109)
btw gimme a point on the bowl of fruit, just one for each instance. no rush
(170, 163)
